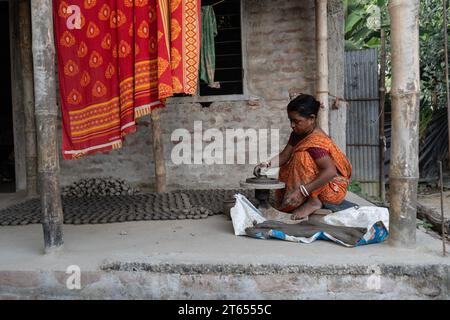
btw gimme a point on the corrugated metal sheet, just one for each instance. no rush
(362, 94)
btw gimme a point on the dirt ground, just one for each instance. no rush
(432, 199)
(429, 196)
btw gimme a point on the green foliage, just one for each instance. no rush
(363, 20)
(425, 224)
(432, 64)
(426, 115)
(355, 187)
(362, 32)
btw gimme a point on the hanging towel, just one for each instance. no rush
(178, 46)
(208, 54)
(111, 66)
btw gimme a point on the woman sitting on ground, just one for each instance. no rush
(313, 168)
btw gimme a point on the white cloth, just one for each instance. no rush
(244, 215)
(363, 217)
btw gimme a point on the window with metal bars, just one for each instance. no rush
(228, 49)
(229, 71)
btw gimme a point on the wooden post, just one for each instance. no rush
(46, 117)
(17, 99)
(158, 152)
(447, 90)
(405, 93)
(322, 62)
(26, 58)
(441, 186)
(381, 111)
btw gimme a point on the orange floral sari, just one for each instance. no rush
(302, 169)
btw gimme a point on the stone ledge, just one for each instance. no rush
(267, 269)
(218, 282)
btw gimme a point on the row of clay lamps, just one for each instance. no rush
(186, 204)
(98, 186)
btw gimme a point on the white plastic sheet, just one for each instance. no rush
(244, 214)
(363, 217)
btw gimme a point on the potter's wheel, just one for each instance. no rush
(262, 180)
(262, 186)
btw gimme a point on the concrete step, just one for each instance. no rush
(230, 281)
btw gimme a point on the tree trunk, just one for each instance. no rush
(158, 152)
(435, 94)
(46, 118)
(322, 62)
(404, 171)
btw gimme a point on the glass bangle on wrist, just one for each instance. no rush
(304, 192)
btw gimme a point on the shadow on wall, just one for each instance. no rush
(7, 168)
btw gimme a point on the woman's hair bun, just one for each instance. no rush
(304, 104)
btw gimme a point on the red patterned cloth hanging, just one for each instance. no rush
(109, 68)
(179, 38)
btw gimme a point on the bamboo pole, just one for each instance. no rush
(441, 186)
(381, 111)
(26, 57)
(444, 4)
(158, 152)
(405, 92)
(322, 62)
(46, 116)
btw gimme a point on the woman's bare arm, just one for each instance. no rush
(283, 157)
(327, 171)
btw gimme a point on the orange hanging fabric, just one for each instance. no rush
(185, 40)
(179, 36)
(112, 68)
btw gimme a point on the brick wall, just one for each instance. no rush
(280, 53)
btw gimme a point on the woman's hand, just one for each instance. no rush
(257, 169)
(293, 200)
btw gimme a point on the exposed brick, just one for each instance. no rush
(22, 279)
(280, 56)
(8, 297)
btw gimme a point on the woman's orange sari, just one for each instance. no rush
(302, 169)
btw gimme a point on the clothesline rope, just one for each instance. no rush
(217, 3)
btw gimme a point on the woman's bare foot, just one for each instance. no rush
(306, 209)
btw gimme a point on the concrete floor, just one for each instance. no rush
(174, 241)
(191, 241)
(207, 243)
(8, 199)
